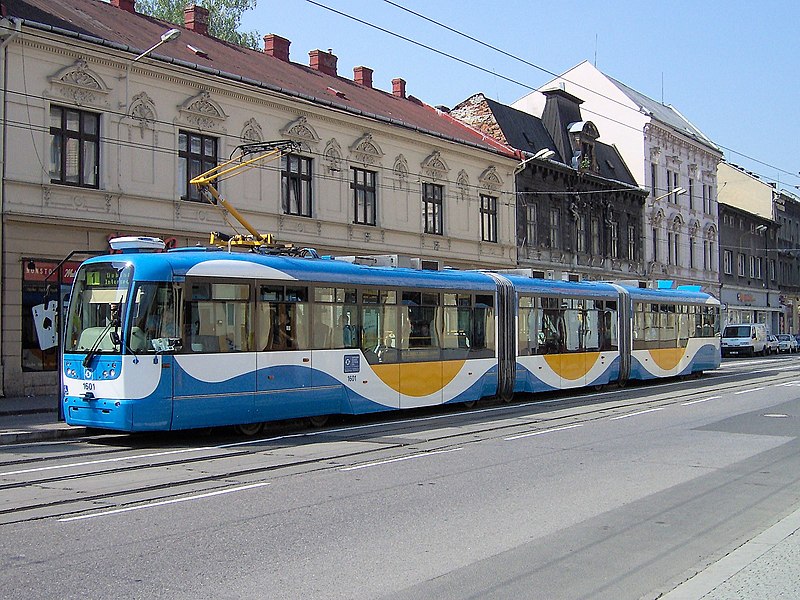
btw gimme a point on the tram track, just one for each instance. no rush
(66, 489)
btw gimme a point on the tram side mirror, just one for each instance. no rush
(115, 339)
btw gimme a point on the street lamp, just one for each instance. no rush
(166, 37)
(678, 191)
(543, 154)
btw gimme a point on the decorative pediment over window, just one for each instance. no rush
(203, 112)
(490, 179)
(252, 132)
(711, 232)
(693, 170)
(675, 161)
(80, 84)
(657, 217)
(301, 132)
(694, 228)
(400, 167)
(434, 166)
(333, 156)
(366, 151)
(462, 182)
(655, 152)
(677, 223)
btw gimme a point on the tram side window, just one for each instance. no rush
(420, 326)
(153, 318)
(668, 337)
(483, 332)
(526, 326)
(283, 318)
(551, 328)
(609, 335)
(379, 339)
(218, 318)
(334, 318)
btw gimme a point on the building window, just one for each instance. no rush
(364, 196)
(772, 272)
(655, 244)
(709, 264)
(296, 185)
(596, 236)
(532, 226)
(759, 268)
(488, 218)
(676, 179)
(614, 239)
(432, 205)
(672, 247)
(741, 263)
(691, 251)
(555, 227)
(727, 262)
(74, 147)
(580, 240)
(691, 194)
(197, 154)
(654, 179)
(631, 242)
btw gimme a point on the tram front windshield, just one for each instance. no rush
(97, 307)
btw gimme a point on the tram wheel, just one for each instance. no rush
(249, 429)
(318, 420)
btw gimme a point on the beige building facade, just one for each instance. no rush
(97, 145)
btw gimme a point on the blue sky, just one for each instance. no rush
(730, 67)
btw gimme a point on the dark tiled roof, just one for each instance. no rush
(135, 33)
(525, 132)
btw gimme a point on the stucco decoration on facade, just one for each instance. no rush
(81, 85)
(462, 184)
(301, 131)
(490, 179)
(143, 113)
(333, 156)
(366, 151)
(204, 113)
(434, 167)
(252, 132)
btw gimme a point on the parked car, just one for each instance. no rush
(747, 338)
(773, 345)
(786, 343)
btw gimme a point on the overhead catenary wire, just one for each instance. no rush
(523, 61)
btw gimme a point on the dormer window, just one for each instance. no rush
(583, 135)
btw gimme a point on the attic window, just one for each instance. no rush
(337, 93)
(197, 51)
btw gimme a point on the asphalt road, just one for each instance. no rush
(620, 494)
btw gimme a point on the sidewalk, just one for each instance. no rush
(33, 419)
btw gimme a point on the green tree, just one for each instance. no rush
(225, 17)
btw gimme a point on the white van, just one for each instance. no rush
(746, 338)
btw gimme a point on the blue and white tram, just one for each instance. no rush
(200, 337)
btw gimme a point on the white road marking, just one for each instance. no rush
(758, 389)
(164, 502)
(402, 458)
(542, 432)
(641, 412)
(701, 400)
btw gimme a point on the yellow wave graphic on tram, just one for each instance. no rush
(419, 379)
(667, 358)
(572, 366)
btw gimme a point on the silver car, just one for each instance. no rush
(786, 343)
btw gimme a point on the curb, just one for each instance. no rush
(41, 433)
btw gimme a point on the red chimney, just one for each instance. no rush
(196, 19)
(126, 5)
(276, 46)
(324, 62)
(399, 87)
(363, 76)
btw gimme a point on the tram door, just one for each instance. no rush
(283, 357)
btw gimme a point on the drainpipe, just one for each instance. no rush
(9, 30)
